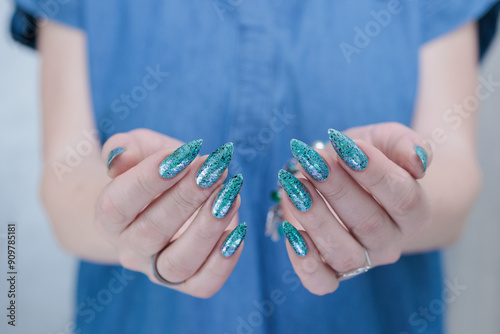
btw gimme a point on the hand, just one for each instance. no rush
(369, 201)
(142, 213)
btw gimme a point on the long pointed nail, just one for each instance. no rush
(347, 150)
(310, 160)
(422, 154)
(215, 165)
(298, 194)
(226, 197)
(180, 159)
(234, 240)
(113, 154)
(295, 238)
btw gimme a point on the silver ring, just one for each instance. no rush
(157, 275)
(358, 271)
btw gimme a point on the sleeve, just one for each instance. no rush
(441, 17)
(27, 14)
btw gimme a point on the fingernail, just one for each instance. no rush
(114, 153)
(295, 238)
(215, 165)
(347, 150)
(298, 194)
(234, 240)
(226, 197)
(422, 155)
(180, 159)
(310, 160)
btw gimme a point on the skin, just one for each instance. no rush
(98, 215)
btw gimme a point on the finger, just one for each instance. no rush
(336, 245)
(393, 187)
(122, 151)
(184, 257)
(357, 209)
(214, 272)
(316, 276)
(405, 147)
(129, 193)
(165, 216)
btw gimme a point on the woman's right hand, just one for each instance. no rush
(142, 213)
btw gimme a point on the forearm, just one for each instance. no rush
(69, 204)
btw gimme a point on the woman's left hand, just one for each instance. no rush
(363, 197)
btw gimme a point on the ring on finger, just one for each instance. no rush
(356, 272)
(156, 274)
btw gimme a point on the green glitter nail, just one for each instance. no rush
(114, 153)
(227, 196)
(234, 240)
(298, 194)
(422, 155)
(310, 160)
(180, 159)
(215, 165)
(295, 238)
(347, 150)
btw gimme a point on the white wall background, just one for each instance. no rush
(47, 275)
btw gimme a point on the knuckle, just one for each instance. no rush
(383, 178)
(409, 201)
(147, 236)
(369, 226)
(143, 187)
(177, 269)
(336, 193)
(349, 261)
(107, 210)
(184, 199)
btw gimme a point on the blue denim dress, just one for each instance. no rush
(256, 73)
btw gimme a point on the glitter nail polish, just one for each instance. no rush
(180, 159)
(234, 240)
(295, 238)
(310, 160)
(215, 165)
(226, 197)
(347, 150)
(422, 155)
(298, 194)
(113, 154)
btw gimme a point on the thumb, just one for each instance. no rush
(124, 150)
(399, 143)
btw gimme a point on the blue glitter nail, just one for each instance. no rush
(180, 159)
(234, 240)
(226, 197)
(422, 155)
(215, 165)
(310, 160)
(295, 238)
(113, 154)
(295, 190)
(347, 150)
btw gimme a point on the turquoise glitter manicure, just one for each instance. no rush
(295, 238)
(234, 240)
(310, 160)
(114, 153)
(347, 150)
(298, 194)
(180, 159)
(215, 165)
(226, 197)
(422, 155)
